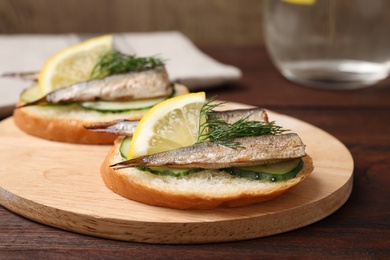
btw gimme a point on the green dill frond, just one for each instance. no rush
(222, 132)
(207, 108)
(115, 62)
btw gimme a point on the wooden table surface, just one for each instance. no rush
(358, 230)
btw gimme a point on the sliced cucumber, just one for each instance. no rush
(121, 106)
(276, 168)
(273, 173)
(164, 171)
(251, 173)
(125, 146)
(31, 94)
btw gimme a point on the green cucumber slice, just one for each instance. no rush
(165, 171)
(125, 146)
(276, 168)
(121, 106)
(273, 173)
(31, 94)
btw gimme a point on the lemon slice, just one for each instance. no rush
(73, 64)
(171, 124)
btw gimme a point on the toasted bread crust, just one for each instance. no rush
(71, 130)
(139, 190)
(57, 129)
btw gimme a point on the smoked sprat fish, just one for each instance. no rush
(120, 127)
(254, 150)
(145, 84)
(232, 116)
(127, 127)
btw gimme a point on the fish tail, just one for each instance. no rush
(129, 163)
(31, 76)
(101, 125)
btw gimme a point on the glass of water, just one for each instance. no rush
(333, 44)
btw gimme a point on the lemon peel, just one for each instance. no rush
(73, 64)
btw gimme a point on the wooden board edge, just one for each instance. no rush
(176, 233)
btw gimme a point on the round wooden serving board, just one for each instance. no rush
(59, 184)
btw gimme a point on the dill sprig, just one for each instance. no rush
(222, 132)
(206, 109)
(115, 62)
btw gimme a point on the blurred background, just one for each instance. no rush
(203, 21)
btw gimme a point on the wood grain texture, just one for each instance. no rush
(207, 21)
(59, 185)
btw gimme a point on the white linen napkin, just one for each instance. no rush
(185, 63)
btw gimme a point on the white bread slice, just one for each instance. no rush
(66, 123)
(202, 190)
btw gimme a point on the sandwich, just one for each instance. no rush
(254, 160)
(119, 86)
